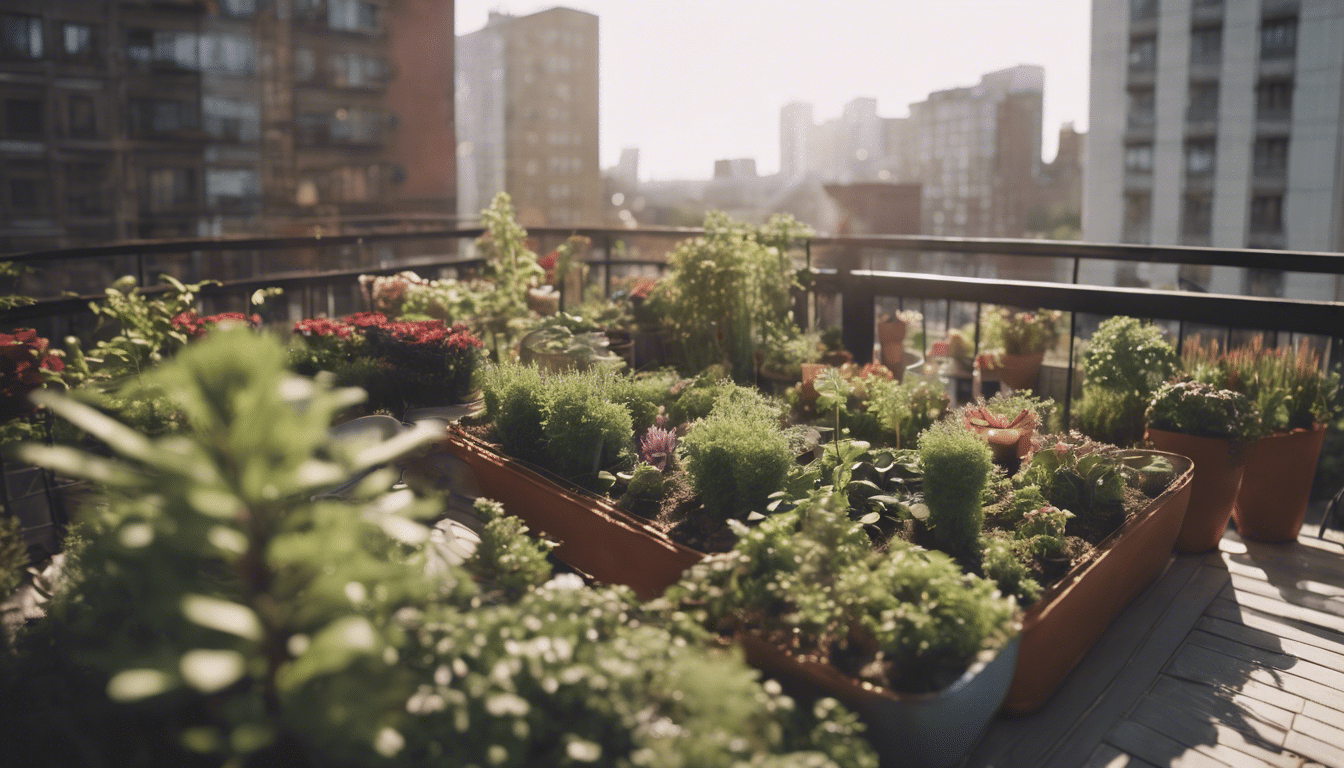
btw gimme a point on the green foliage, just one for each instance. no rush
(144, 330)
(699, 398)
(1025, 499)
(647, 482)
(1082, 476)
(1289, 386)
(1003, 565)
(728, 293)
(1192, 408)
(905, 409)
(1110, 416)
(512, 269)
(643, 394)
(784, 355)
(516, 400)
(586, 433)
(506, 557)
(13, 554)
(1041, 531)
(905, 619)
(1128, 355)
(736, 457)
(956, 464)
(1022, 333)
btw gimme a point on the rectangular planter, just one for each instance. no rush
(1059, 630)
(600, 539)
(596, 536)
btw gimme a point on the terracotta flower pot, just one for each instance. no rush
(1212, 491)
(1064, 624)
(891, 337)
(596, 536)
(1276, 486)
(1020, 371)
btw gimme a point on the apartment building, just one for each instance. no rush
(1217, 123)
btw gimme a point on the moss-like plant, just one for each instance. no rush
(1192, 408)
(644, 395)
(1003, 565)
(736, 457)
(956, 465)
(1041, 531)
(585, 432)
(507, 558)
(516, 401)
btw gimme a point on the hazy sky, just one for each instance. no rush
(692, 81)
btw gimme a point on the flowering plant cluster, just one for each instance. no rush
(321, 327)
(26, 364)
(1203, 410)
(428, 361)
(1024, 333)
(1289, 386)
(195, 326)
(409, 296)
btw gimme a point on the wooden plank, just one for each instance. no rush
(1317, 581)
(1221, 742)
(1205, 666)
(1327, 715)
(1270, 641)
(1272, 659)
(1318, 730)
(1149, 745)
(1264, 721)
(1027, 740)
(1277, 607)
(1107, 756)
(1332, 607)
(1279, 625)
(1306, 746)
(1301, 554)
(1147, 661)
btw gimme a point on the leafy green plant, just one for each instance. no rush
(736, 457)
(13, 554)
(905, 409)
(1022, 333)
(1082, 476)
(808, 579)
(506, 558)
(586, 433)
(145, 334)
(1041, 531)
(512, 269)
(1192, 408)
(1003, 565)
(516, 401)
(1289, 387)
(1110, 416)
(1124, 363)
(956, 465)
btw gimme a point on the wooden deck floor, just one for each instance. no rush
(1229, 660)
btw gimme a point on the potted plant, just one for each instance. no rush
(1296, 398)
(891, 332)
(1214, 428)
(1124, 363)
(1022, 339)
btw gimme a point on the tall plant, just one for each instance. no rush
(512, 268)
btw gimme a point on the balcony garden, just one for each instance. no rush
(534, 511)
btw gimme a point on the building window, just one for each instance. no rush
(1142, 108)
(355, 70)
(239, 9)
(1142, 9)
(159, 116)
(170, 188)
(86, 189)
(305, 65)
(1278, 39)
(1274, 99)
(23, 118)
(231, 54)
(352, 15)
(1271, 156)
(1139, 158)
(1138, 215)
(231, 187)
(1142, 52)
(1199, 157)
(231, 119)
(1267, 214)
(1206, 46)
(77, 42)
(1203, 105)
(1197, 216)
(162, 47)
(20, 36)
(81, 117)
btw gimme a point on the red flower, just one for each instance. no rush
(23, 357)
(365, 320)
(190, 323)
(643, 288)
(321, 326)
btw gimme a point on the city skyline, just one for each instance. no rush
(767, 54)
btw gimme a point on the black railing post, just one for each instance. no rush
(606, 265)
(857, 306)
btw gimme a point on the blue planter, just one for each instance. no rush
(928, 730)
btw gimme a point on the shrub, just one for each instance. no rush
(1026, 499)
(1192, 408)
(956, 465)
(1110, 416)
(736, 457)
(26, 364)
(643, 394)
(1127, 355)
(516, 400)
(507, 558)
(1041, 531)
(1084, 477)
(808, 579)
(431, 362)
(1005, 567)
(585, 432)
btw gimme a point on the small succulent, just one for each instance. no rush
(658, 447)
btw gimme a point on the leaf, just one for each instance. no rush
(211, 670)
(870, 518)
(120, 437)
(864, 485)
(76, 463)
(424, 433)
(333, 649)
(222, 615)
(605, 480)
(885, 500)
(919, 511)
(137, 684)
(756, 517)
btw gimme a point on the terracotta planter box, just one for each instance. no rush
(1059, 630)
(1212, 491)
(924, 729)
(1020, 371)
(596, 536)
(1276, 486)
